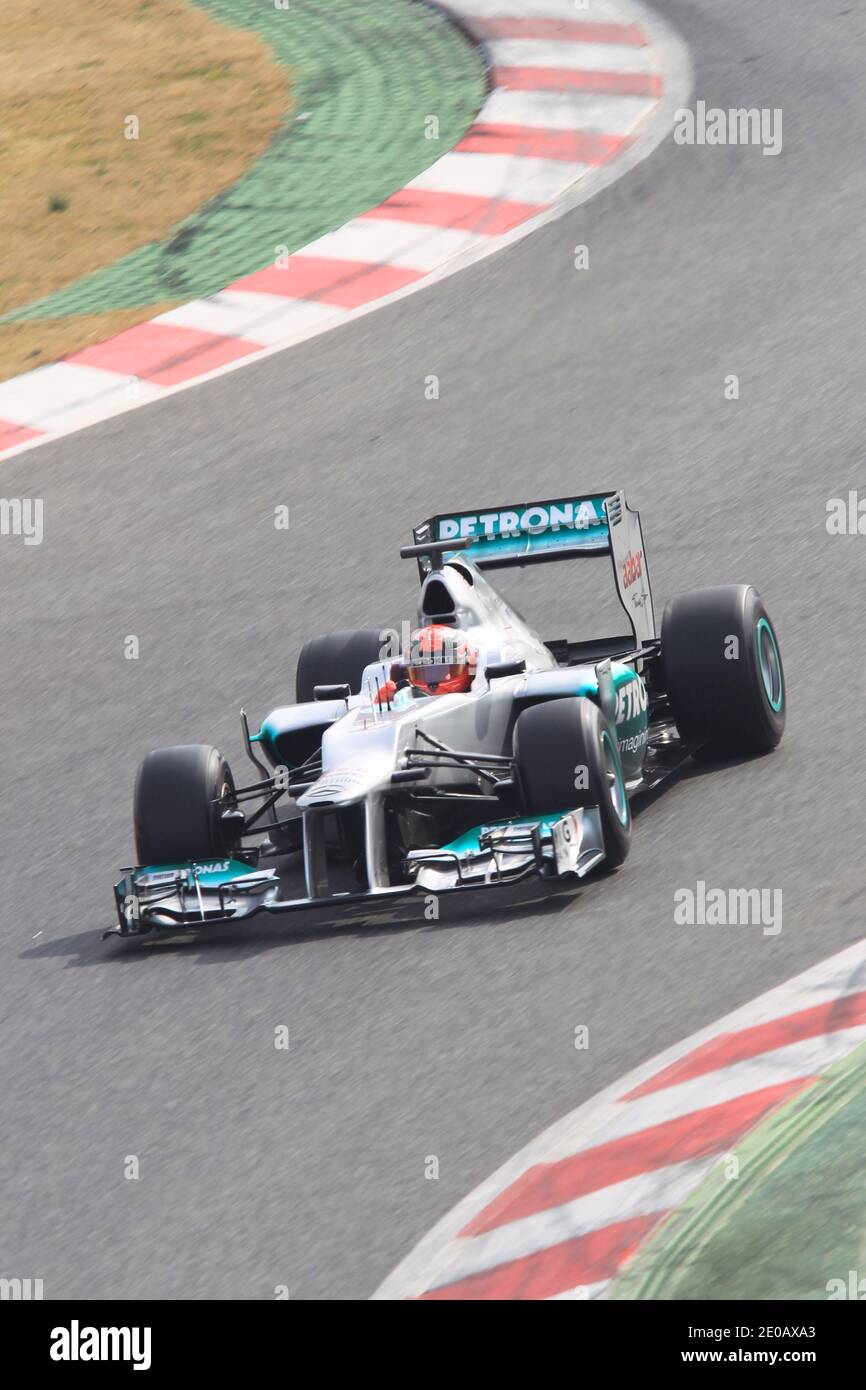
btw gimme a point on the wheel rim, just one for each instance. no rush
(771, 665)
(615, 784)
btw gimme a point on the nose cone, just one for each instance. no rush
(343, 785)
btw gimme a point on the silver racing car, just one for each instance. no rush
(470, 754)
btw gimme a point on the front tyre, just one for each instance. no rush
(723, 671)
(566, 756)
(176, 805)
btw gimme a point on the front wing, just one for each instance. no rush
(180, 897)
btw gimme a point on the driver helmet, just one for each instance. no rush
(442, 661)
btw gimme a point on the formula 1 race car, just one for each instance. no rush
(475, 754)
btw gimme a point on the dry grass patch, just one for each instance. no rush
(34, 343)
(77, 193)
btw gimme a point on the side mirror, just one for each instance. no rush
(497, 669)
(331, 692)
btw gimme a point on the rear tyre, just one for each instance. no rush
(337, 658)
(723, 671)
(566, 756)
(175, 814)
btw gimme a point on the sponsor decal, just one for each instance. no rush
(567, 839)
(634, 742)
(631, 700)
(632, 569)
(158, 879)
(342, 779)
(345, 777)
(528, 521)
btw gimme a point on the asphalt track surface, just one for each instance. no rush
(455, 1038)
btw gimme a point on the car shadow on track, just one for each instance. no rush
(498, 907)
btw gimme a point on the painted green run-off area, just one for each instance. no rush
(789, 1224)
(365, 75)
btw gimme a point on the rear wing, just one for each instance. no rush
(565, 528)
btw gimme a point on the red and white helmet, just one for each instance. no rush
(442, 661)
